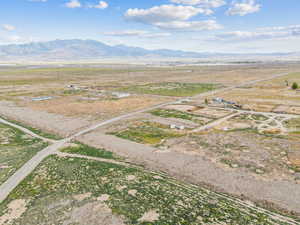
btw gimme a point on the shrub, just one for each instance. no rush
(295, 86)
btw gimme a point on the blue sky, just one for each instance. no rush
(196, 25)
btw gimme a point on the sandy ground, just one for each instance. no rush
(197, 170)
(86, 214)
(47, 121)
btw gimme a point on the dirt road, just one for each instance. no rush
(214, 123)
(12, 182)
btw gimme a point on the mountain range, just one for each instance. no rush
(90, 49)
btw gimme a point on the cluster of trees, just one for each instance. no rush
(295, 86)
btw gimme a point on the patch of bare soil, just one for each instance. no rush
(93, 213)
(130, 177)
(294, 157)
(103, 198)
(132, 192)
(81, 197)
(231, 125)
(15, 210)
(150, 216)
(177, 121)
(211, 112)
(72, 107)
(183, 108)
(241, 150)
(43, 120)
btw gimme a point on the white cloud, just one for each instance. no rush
(137, 33)
(190, 25)
(164, 13)
(100, 5)
(173, 17)
(73, 4)
(286, 28)
(205, 3)
(269, 33)
(243, 8)
(8, 27)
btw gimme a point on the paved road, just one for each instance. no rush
(28, 167)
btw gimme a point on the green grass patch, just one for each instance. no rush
(293, 123)
(83, 149)
(171, 89)
(147, 133)
(51, 188)
(72, 92)
(172, 113)
(246, 116)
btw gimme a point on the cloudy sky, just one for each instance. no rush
(195, 25)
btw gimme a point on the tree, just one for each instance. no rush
(287, 83)
(295, 86)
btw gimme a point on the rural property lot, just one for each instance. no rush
(269, 96)
(136, 118)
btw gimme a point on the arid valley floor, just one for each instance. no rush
(107, 144)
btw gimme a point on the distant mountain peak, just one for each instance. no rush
(77, 49)
(74, 49)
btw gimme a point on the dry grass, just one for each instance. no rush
(72, 106)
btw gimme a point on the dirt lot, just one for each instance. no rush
(265, 157)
